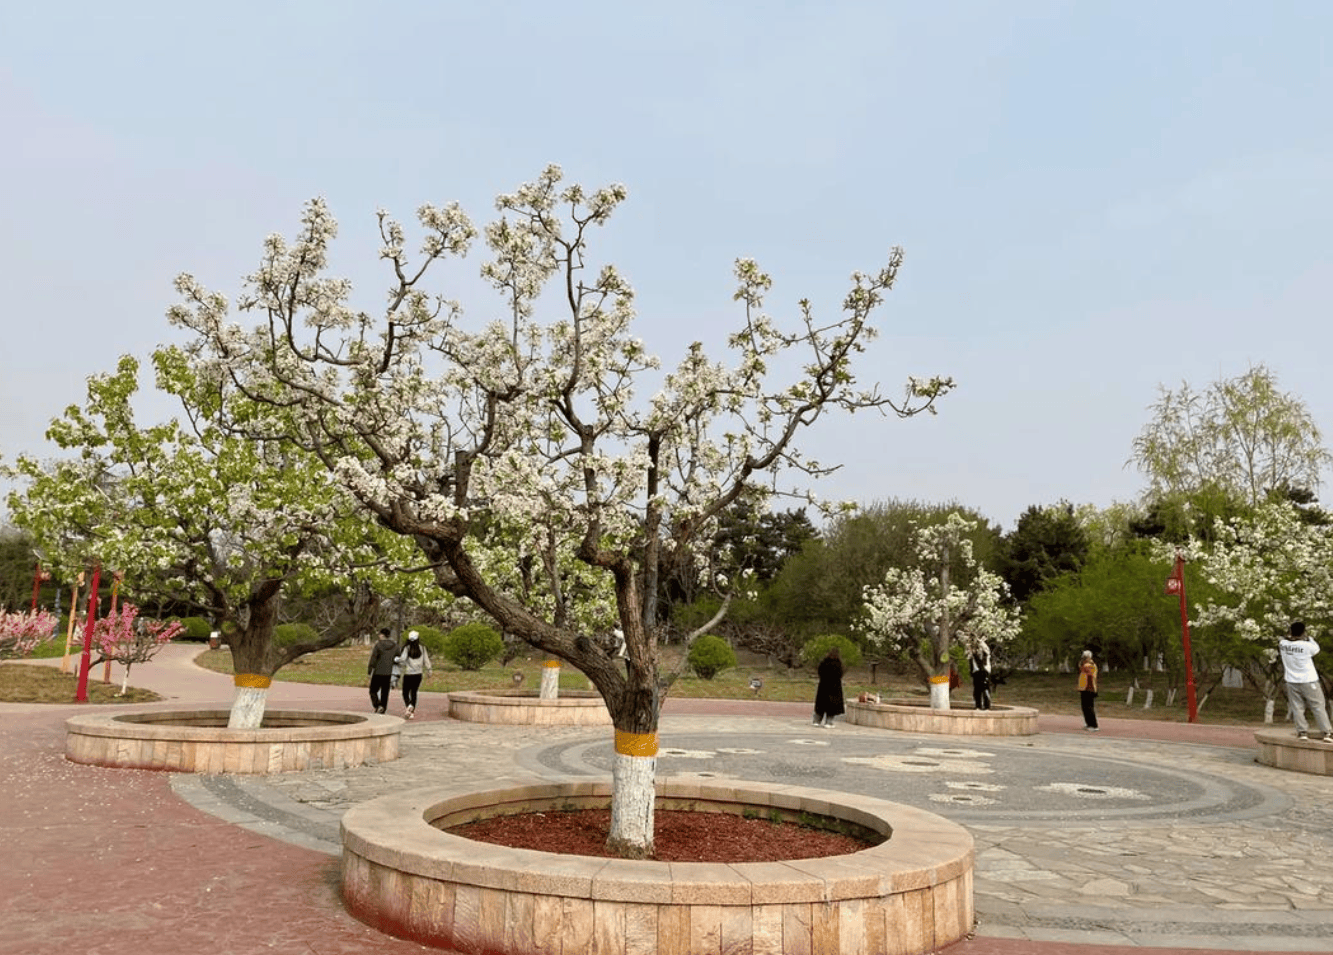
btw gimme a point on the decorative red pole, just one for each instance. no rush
(86, 659)
(1175, 584)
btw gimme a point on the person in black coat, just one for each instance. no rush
(981, 676)
(828, 695)
(380, 670)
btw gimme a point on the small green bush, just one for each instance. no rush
(710, 655)
(472, 646)
(818, 648)
(286, 634)
(431, 638)
(196, 628)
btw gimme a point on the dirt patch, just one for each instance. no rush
(679, 836)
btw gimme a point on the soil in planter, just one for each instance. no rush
(679, 836)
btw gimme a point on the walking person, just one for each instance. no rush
(1087, 690)
(1303, 687)
(380, 669)
(981, 684)
(415, 663)
(828, 695)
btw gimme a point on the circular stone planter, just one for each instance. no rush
(198, 741)
(1282, 750)
(404, 876)
(961, 720)
(525, 707)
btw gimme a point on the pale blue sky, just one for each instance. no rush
(1094, 198)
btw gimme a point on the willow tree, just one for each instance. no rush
(530, 423)
(200, 517)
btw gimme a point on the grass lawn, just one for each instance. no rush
(25, 683)
(1048, 692)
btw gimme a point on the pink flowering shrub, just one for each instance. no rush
(124, 638)
(20, 633)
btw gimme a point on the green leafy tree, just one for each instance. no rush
(817, 649)
(1242, 436)
(1045, 543)
(529, 425)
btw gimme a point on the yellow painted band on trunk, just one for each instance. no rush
(254, 681)
(552, 663)
(940, 679)
(636, 744)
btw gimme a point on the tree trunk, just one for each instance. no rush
(633, 799)
(1269, 706)
(550, 688)
(247, 706)
(939, 693)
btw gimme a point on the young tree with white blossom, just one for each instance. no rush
(946, 599)
(195, 515)
(530, 424)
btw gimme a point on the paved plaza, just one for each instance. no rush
(1147, 834)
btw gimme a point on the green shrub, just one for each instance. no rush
(472, 646)
(286, 634)
(196, 628)
(431, 638)
(816, 649)
(710, 655)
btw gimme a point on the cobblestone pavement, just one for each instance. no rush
(1090, 840)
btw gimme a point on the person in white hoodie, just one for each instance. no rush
(1303, 687)
(415, 662)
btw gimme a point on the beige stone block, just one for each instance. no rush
(467, 918)
(702, 883)
(608, 929)
(825, 928)
(673, 930)
(628, 881)
(875, 931)
(519, 915)
(797, 928)
(578, 919)
(852, 914)
(491, 924)
(779, 882)
(547, 924)
(705, 930)
(766, 922)
(737, 930)
(911, 926)
(641, 929)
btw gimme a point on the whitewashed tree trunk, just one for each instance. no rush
(124, 683)
(1269, 706)
(247, 708)
(1147, 699)
(633, 796)
(1170, 696)
(939, 695)
(1129, 697)
(550, 688)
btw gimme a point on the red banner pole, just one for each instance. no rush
(86, 659)
(1190, 701)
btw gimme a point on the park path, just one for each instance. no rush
(113, 862)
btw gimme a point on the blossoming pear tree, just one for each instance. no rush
(1266, 569)
(529, 423)
(197, 516)
(22, 632)
(923, 611)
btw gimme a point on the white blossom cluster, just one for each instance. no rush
(1271, 568)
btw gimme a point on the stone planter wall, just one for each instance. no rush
(402, 875)
(524, 707)
(198, 741)
(1282, 750)
(961, 720)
